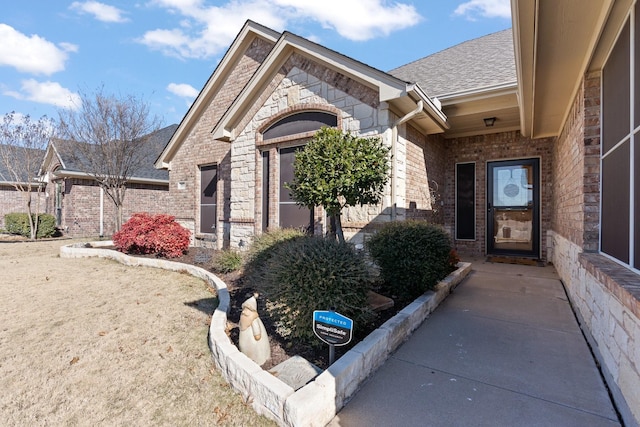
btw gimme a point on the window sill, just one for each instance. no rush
(620, 281)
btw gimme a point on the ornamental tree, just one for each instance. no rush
(338, 169)
(23, 142)
(108, 138)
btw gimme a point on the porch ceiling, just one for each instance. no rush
(554, 43)
(466, 111)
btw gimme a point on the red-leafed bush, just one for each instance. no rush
(152, 234)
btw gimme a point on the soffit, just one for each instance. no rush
(466, 111)
(554, 43)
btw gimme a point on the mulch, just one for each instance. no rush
(281, 349)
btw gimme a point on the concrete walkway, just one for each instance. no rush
(503, 350)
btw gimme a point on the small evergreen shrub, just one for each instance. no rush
(226, 261)
(312, 273)
(152, 234)
(18, 223)
(413, 257)
(262, 249)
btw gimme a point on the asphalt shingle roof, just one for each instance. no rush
(158, 140)
(474, 64)
(18, 156)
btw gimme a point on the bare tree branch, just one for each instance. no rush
(107, 138)
(22, 146)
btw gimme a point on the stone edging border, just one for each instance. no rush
(316, 403)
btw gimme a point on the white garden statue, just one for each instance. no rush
(253, 340)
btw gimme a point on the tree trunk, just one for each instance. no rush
(118, 217)
(332, 227)
(339, 232)
(33, 225)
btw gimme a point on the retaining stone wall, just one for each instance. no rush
(316, 403)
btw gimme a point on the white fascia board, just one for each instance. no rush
(430, 108)
(212, 86)
(388, 87)
(84, 175)
(479, 93)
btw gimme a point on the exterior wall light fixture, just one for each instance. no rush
(489, 121)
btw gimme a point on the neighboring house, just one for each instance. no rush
(82, 208)
(521, 144)
(11, 199)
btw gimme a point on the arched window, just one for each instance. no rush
(306, 121)
(293, 129)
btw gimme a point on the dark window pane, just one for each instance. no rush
(208, 198)
(615, 203)
(208, 184)
(636, 198)
(207, 218)
(615, 93)
(294, 216)
(301, 122)
(291, 215)
(636, 55)
(287, 156)
(466, 201)
(265, 190)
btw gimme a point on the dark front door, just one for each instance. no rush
(513, 207)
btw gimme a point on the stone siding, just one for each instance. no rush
(200, 148)
(605, 295)
(301, 84)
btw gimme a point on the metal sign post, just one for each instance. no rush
(332, 328)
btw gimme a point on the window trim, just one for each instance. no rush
(200, 204)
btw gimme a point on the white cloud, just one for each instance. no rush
(183, 90)
(31, 54)
(46, 93)
(484, 8)
(206, 31)
(100, 11)
(358, 20)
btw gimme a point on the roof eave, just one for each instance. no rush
(554, 44)
(247, 34)
(60, 173)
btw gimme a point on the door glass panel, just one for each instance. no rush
(291, 215)
(513, 207)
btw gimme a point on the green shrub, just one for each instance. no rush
(312, 273)
(226, 261)
(18, 223)
(413, 257)
(152, 234)
(263, 247)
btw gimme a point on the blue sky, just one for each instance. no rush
(163, 51)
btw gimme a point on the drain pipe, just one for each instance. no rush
(101, 211)
(394, 146)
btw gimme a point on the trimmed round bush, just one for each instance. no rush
(263, 247)
(312, 273)
(18, 223)
(152, 234)
(413, 257)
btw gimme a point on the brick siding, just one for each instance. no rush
(14, 201)
(200, 148)
(495, 147)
